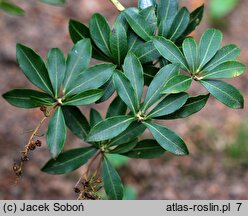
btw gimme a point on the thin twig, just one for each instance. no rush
(118, 5)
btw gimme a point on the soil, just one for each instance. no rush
(207, 173)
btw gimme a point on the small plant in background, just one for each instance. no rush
(147, 46)
(12, 9)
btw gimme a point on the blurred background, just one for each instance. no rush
(217, 137)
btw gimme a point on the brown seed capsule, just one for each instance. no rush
(24, 158)
(76, 190)
(15, 167)
(43, 108)
(31, 146)
(38, 143)
(18, 173)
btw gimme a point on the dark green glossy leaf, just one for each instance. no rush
(193, 105)
(56, 69)
(177, 84)
(191, 53)
(43, 101)
(92, 78)
(209, 45)
(23, 98)
(11, 8)
(134, 130)
(195, 19)
(125, 91)
(146, 149)
(167, 10)
(125, 147)
(95, 117)
(84, 98)
(227, 69)
(146, 52)
(150, 17)
(168, 139)
(33, 67)
(100, 33)
(134, 72)
(108, 89)
(133, 40)
(154, 91)
(117, 107)
(54, 2)
(118, 43)
(56, 133)
(142, 4)
(138, 23)
(170, 51)
(109, 128)
(77, 61)
(179, 24)
(225, 93)
(112, 181)
(169, 105)
(79, 31)
(69, 161)
(149, 74)
(226, 53)
(76, 121)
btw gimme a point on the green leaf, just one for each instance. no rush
(191, 53)
(108, 89)
(112, 181)
(227, 69)
(169, 105)
(117, 160)
(150, 17)
(118, 43)
(133, 131)
(56, 69)
(79, 31)
(168, 139)
(56, 133)
(153, 93)
(77, 61)
(133, 70)
(179, 24)
(219, 10)
(133, 40)
(138, 23)
(125, 91)
(69, 161)
(167, 10)
(225, 93)
(33, 67)
(109, 128)
(117, 107)
(193, 105)
(76, 121)
(209, 45)
(226, 53)
(125, 147)
(146, 149)
(11, 8)
(195, 19)
(100, 33)
(42, 101)
(92, 78)
(170, 51)
(177, 84)
(142, 4)
(95, 117)
(22, 98)
(54, 2)
(149, 73)
(84, 98)
(146, 52)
